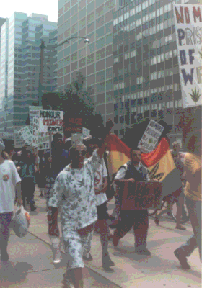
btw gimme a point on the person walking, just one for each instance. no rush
(26, 168)
(42, 173)
(180, 201)
(100, 186)
(73, 191)
(9, 181)
(193, 199)
(138, 219)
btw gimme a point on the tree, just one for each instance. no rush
(75, 102)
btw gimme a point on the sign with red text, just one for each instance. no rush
(75, 125)
(51, 121)
(188, 23)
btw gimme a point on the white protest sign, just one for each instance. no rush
(150, 137)
(51, 121)
(18, 140)
(43, 141)
(76, 139)
(34, 111)
(85, 132)
(188, 23)
(35, 131)
(25, 134)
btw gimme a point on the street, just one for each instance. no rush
(31, 259)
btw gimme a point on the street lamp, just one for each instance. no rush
(42, 47)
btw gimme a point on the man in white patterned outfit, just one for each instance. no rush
(73, 191)
(100, 186)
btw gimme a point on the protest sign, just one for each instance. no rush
(76, 139)
(43, 141)
(51, 121)
(18, 140)
(85, 132)
(75, 125)
(25, 134)
(150, 137)
(188, 23)
(35, 131)
(34, 111)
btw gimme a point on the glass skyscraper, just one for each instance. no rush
(92, 19)
(20, 64)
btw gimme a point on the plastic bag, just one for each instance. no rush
(21, 222)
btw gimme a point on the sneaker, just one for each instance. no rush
(182, 259)
(144, 251)
(56, 256)
(4, 256)
(107, 268)
(180, 227)
(107, 260)
(33, 208)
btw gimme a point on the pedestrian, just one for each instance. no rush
(9, 181)
(133, 171)
(100, 186)
(74, 192)
(192, 191)
(26, 168)
(42, 173)
(180, 201)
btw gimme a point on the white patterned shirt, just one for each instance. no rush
(74, 192)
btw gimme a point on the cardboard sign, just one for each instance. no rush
(150, 137)
(188, 23)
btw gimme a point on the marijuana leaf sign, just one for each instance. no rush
(195, 95)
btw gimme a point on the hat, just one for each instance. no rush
(2, 145)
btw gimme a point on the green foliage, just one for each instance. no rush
(195, 95)
(75, 102)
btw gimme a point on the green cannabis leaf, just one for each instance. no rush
(195, 95)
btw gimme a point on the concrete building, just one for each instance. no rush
(20, 65)
(93, 19)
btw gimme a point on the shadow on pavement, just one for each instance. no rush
(10, 273)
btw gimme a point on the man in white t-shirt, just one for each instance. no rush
(9, 181)
(100, 187)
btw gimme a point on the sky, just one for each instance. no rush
(47, 7)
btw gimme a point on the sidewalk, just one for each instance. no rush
(34, 262)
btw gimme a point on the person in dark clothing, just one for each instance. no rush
(26, 168)
(137, 219)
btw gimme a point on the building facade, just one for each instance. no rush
(146, 72)
(92, 19)
(20, 65)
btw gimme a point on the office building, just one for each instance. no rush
(21, 37)
(93, 19)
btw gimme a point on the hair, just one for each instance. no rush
(193, 144)
(5, 155)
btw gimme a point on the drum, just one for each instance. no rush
(139, 195)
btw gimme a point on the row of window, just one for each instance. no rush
(137, 9)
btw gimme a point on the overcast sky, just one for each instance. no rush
(47, 7)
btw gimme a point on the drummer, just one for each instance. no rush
(138, 219)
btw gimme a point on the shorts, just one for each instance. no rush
(102, 212)
(74, 250)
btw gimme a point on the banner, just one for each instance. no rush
(150, 137)
(188, 23)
